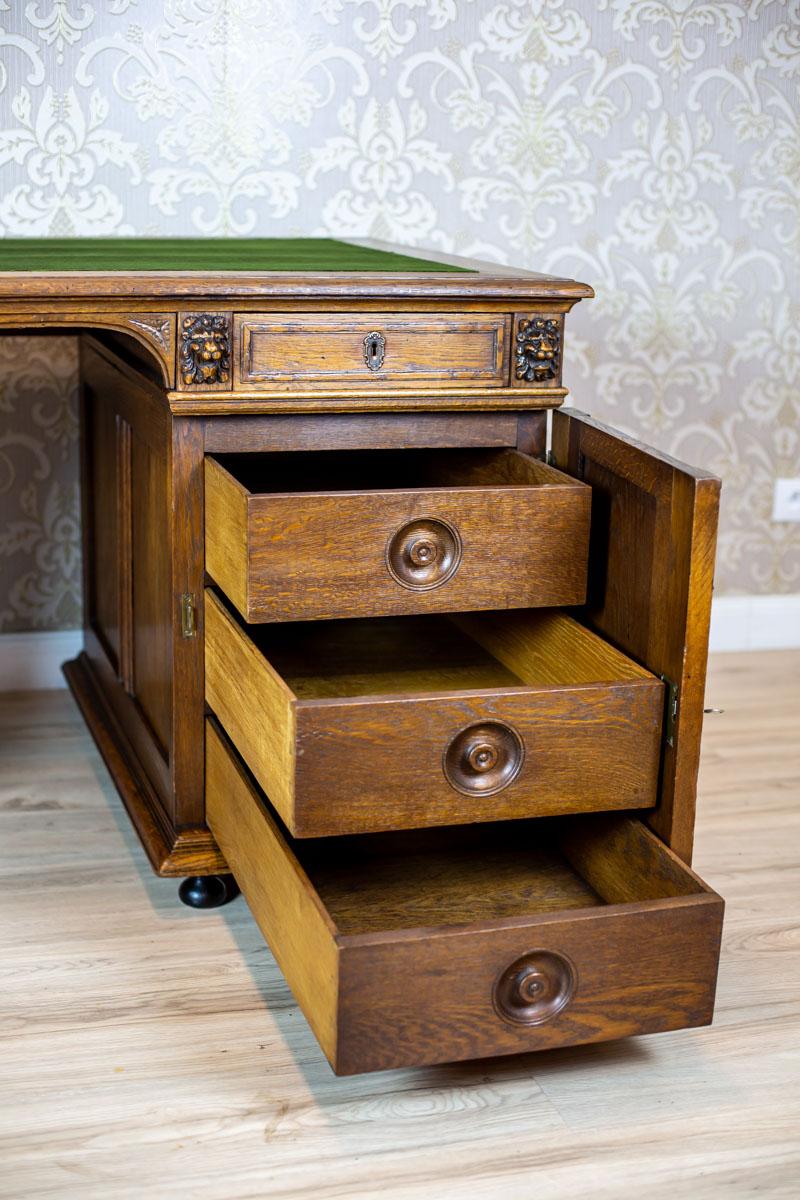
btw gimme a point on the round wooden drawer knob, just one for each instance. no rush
(424, 554)
(484, 758)
(535, 987)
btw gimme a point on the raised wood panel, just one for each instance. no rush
(285, 349)
(101, 524)
(152, 592)
(651, 566)
(125, 557)
(126, 500)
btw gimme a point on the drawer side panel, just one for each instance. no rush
(277, 891)
(252, 703)
(226, 534)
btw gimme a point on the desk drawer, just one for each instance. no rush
(371, 533)
(347, 349)
(407, 949)
(399, 723)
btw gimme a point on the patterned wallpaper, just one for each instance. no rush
(652, 149)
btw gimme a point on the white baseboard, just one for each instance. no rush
(30, 661)
(755, 622)
(33, 660)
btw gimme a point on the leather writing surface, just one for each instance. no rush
(205, 254)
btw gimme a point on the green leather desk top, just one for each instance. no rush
(297, 255)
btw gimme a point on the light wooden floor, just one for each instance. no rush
(147, 1050)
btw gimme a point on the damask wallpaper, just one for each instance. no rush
(651, 149)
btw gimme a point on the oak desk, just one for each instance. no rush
(426, 676)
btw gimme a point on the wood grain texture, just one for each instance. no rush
(154, 331)
(187, 695)
(635, 967)
(645, 970)
(143, 545)
(391, 399)
(367, 431)
(346, 724)
(561, 651)
(189, 1068)
(126, 544)
(252, 701)
(227, 535)
(651, 567)
(532, 433)
(123, 571)
(285, 349)
(290, 915)
(319, 531)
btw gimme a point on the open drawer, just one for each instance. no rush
(369, 533)
(439, 945)
(403, 722)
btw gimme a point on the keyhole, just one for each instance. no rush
(374, 349)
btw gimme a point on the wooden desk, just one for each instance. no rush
(307, 435)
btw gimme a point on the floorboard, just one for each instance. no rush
(149, 1050)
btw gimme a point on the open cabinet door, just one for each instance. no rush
(651, 569)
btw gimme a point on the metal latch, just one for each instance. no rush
(188, 616)
(671, 711)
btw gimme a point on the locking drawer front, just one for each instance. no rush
(441, 945)
(346, 349)
(371, 533)
(399, 723)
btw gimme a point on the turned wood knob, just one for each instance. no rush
(535, 987)
(483, 758)
(424, 554)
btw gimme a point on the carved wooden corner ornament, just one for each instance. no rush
(538, 350)
(205, 352)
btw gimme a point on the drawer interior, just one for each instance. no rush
(315, 471)
(462, 875)
(430, 654)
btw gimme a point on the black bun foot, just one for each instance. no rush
(208, 891)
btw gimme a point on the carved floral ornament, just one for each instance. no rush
(538, 349)
(205, 349)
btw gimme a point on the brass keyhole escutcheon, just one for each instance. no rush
(483, 758)
(374, 350)
(424, 554)
(535, 988)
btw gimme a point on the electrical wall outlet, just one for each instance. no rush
(786, 502)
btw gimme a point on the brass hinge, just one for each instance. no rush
(671, 710)
(188, 616)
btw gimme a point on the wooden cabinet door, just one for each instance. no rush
(651, 567)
